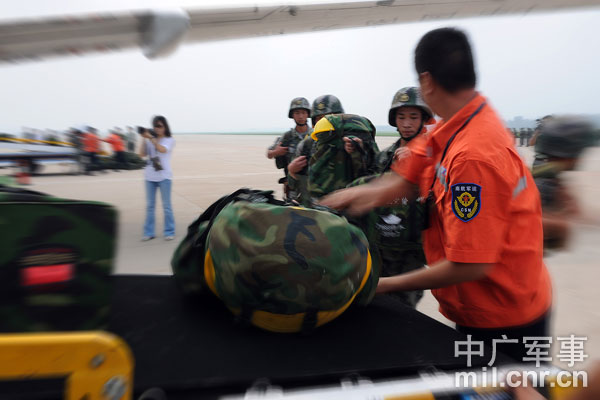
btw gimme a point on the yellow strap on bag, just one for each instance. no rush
(284, 323)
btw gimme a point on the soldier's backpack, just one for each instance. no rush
(331, 167)
(56, 260)
(280, 268)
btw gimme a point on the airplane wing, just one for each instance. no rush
(158, 32)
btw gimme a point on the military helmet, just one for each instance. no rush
(408, 97)
(299, 103)
(326, 104)
(564, 137)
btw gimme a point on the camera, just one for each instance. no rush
(306, 152)
(141, 129)
(155, 161)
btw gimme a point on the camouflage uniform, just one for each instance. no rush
(299, 185)
(522, 137)
(397, 229)
(561, 140)
(323, 105)
(291, 139)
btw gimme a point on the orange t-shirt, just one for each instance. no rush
(116, 142)
(487, 210)
(91, 143)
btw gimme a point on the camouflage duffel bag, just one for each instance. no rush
(56, 260)
(280, 268)
(331, 167)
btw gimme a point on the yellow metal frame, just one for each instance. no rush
(96, 365)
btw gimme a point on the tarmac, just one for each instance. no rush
(206, 167)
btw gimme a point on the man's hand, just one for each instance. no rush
(443, 274)
(401, 152)
(354, 200)
(279, 150)
(296, 165)
(379, 192)
(349, 144)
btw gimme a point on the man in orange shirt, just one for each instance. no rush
(118, 147)
(91, 146)
(484, 242)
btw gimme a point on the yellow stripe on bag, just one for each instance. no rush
(325, 316)
(209, 273)
(284, 323)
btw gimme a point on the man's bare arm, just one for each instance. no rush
(380, 192)
(446, 273)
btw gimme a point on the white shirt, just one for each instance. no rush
(165, 160)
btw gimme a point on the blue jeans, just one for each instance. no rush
(165, 195)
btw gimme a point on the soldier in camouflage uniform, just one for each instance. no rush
(522, 137)
(528, 137)
(558, 147)
(408, 114)
(284, 148)
(397, 228)
(298, 168)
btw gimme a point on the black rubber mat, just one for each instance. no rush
(179, 344)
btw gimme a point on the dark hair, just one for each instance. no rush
(446, 54)
(163, 120)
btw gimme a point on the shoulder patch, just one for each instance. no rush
(466, 200)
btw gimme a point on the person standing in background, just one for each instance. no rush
(158, 147)
(118, 147)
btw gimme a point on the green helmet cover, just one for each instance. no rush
(564, 137)
(326, 104)
(299, 103)
(408, 97)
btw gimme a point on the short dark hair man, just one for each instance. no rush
(484, 242)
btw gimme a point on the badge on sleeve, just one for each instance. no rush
(466, 200)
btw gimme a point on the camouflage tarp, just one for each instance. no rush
(56, 260)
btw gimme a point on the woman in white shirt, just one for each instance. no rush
(158, 174)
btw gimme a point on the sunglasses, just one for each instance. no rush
(159, 126)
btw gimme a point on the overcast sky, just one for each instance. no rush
(528, 65)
